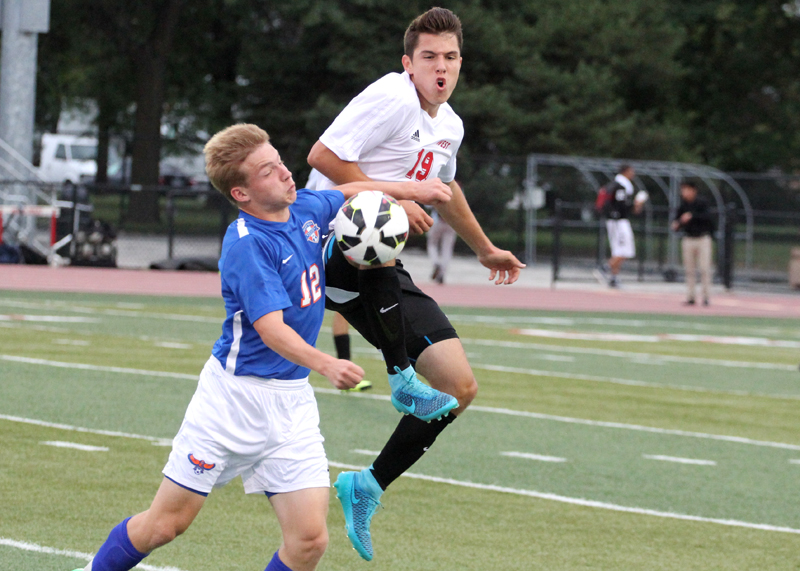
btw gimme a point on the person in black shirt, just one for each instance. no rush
(620, 205)
(694, 218)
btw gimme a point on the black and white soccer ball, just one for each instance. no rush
(371, 228)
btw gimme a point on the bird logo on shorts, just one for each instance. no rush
(199, 465)
(311, 231)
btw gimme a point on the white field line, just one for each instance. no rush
(528, 456)
(631, 355)
(504, 321)
(794, 461)
(86, 367)
(75, 445)
(75, 342)
(60, 426)
(122, 312)
(657, 338)
(172, 345)
(26, 546)
(48, 319)
(584, 502)
(366, 452)
(597, 379)
(679, 460)
(492, 410)
(529, 493)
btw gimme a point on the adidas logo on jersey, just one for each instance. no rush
(415, 136)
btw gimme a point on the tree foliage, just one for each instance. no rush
(710, 80)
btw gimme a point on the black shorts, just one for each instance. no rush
(425, 322)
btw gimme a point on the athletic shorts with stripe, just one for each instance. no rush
(264, 430)
(425, 322)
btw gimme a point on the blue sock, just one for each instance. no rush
(276, 564)
(117, 553)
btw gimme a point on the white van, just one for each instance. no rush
(67, 158)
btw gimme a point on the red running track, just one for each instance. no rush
(206, 284)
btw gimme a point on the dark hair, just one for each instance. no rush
(623, 167)
(434, 21)
(690, 184)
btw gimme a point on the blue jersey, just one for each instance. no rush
(268, 266)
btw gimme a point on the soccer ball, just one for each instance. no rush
(371, 228)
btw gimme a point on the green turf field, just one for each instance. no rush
(597, 441)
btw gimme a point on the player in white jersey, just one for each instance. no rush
(254, 414)
(401, 128)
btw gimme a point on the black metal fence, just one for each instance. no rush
(184, 225)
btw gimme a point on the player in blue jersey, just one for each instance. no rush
(254, 414)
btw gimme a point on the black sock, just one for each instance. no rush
(410, 440)
(342, 343)
(382, 298)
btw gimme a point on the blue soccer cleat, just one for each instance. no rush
(359, 494)
(410, 396)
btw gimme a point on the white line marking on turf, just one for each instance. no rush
(584, 502)
(366, 452)
(528, 456)
(48, 318)
(26, 546)
(492, 410)
(679, 460)
(611, 380)
(84, 366)
(153, 439)
(530, 493)
(794, 461)
(51, 305)
(75, 445)
(172, 345)
(720, 339)
(630, 354)
(75, 342)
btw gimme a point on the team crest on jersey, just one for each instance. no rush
(311, 231)
(199, 465)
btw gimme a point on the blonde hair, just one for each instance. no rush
(225, 153)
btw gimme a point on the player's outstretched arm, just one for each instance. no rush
(288, 344)
(329, 164)
(431, 192)
(503, 264)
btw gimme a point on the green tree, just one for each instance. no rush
(742, 88)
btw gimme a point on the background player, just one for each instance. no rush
(401, 128)
(254, 413)
(617, 210)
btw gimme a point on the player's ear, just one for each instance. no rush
(239, 194)
(408, 65)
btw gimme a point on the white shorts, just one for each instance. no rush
(267, 431)
(620, 238)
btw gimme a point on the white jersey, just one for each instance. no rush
(392, 138)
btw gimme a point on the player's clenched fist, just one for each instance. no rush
(419, 221)
(344, 374)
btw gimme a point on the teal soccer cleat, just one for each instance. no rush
(359, 494)
(410, 396)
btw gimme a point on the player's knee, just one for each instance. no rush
(165, 532)
(466, 392)
(308, 548)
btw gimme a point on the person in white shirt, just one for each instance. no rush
(440, 245)
(401, 128)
